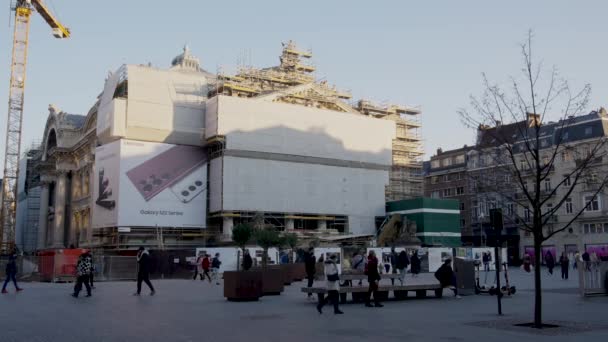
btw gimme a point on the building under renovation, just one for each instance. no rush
(175, 157)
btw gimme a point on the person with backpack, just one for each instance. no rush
(143, 271)
(446, 277)
(402, 262)
(83, 272)
(373, 277)
(215, 268)
(310, 265)
(333, 286)
(11, 272)
(206, 264)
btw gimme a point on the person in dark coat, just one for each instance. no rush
(11, 272)
(415, 260)
(586, 260)
(247, 261)
(310, 265)
(402, 262)
(564, 262)
(446, 277)
(83, 272)
(373, 277)
(143, 271)
(550, 262)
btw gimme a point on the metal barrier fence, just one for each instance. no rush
(61, 268)
(593, 277)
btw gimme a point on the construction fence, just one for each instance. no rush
(62, 268)
(593, 277)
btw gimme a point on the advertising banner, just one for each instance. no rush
(145, 184)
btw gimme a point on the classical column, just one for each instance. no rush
(59, 205)
(44, 216)
(227, 225)
(289, 224)
(321, 225)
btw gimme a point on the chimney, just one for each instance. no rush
(439, 151)
(603, 111)
(498, 123)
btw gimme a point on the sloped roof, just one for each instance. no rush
(75, 120)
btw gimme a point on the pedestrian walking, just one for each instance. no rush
(550, 262)
(527, 263)
(215, 268)
(247, 261)
(310, 265)
(565, 264)
(333, 286)
(373, 277)
(143, 271)
(415, 260)
(486, 258)
(198, 268)
(206, 265)
(586, 261)
(447, 277)
(393, 258)
(83, 272)
(402, 262)
(11, 272)
(577, 257)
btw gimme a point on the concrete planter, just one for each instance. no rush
(272, 280)
(297, 271)
(243, 285)
(286, 271)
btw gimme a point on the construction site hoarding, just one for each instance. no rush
(149, 104)
(282, 128)
(250, 184)
(146, 184)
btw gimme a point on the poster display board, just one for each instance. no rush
(325, 253)
(145, 184)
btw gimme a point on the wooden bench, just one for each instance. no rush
(419, 285)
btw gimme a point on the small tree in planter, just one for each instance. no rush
(266, 238)
(239, 285)
(291, 240)
(241, 235)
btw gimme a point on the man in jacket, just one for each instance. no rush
(446, 276)
(310, 265)
(373, 277)
(215, 268)
(333, 286)
(11, 272)
(143, 271)
(83, 272)
(247, 261)
(402, 262)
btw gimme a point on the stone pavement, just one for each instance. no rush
(187, 310)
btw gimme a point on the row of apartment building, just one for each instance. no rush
(476, 177)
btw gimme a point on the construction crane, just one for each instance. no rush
(23, 12)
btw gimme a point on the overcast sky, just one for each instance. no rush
(423, 53)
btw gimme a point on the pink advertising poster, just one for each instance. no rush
(544, 250)
(600, 250)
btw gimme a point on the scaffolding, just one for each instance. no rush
(292, 81)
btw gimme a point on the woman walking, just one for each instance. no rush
(333, 286)
(373, 277)
(11, 272)
(143, 271)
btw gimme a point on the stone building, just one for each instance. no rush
(447, 178)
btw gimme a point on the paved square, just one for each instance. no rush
(187, 310)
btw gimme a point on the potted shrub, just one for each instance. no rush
(242, 285)
(272, 278)
(297, 271)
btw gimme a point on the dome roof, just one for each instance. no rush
(186, 60)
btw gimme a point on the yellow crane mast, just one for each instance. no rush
(23, 11)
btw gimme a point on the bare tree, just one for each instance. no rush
(525, 137)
